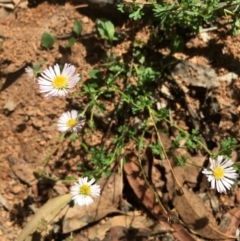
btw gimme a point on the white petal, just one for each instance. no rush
(226, 180)
(207, 172)
(210, 178)
(226, 164)
(220, 186)
(213, 183)
(219, 160)
(231, 175)
(212, 163)
(57, 69)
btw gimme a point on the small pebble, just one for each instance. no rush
(85, 20)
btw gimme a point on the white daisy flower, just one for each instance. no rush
(30, 72)
(53, 82)
(83, 191)
(221, 174)
(70, 121)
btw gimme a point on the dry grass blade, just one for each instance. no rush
(47, 212)
(195, 215)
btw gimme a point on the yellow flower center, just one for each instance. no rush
(71, 123)
(85, 190)
(218, 173)
(60, 82)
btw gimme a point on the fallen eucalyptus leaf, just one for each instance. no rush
(196, 217)
(129, 221)
(181, 233)
(144, 193)
(47, 212)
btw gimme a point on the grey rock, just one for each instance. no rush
(195, 75)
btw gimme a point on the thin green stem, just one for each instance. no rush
(150, 111)
(187, 134)
(144, 174)
(57, 180)
(193, 164)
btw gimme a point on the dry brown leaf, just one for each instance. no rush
(60, 188)
(80, 237)
(191, 171)
(47, 212)
(214, 201)
(169, 180)
(142, 190)
(143, 226)
(77, 217)
(181, 234)
(230, 222)
(147, 197)
(118, 233)
(237, 195)
(195, 215)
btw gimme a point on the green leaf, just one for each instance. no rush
(62, 136)
(94, 73)
(137, 14)
(120, 7)
(70, 42)
(36, 67)
(177, 44)
(106, 29)
(77, 27)
(47, 40)
(115, 68)
(69, 178)
(73, 137)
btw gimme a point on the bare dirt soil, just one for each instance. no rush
(28, 133)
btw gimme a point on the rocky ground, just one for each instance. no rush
(28, 134)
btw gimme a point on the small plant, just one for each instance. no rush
(77, 30)
(106, 30)
(171, 18)
(47, 40)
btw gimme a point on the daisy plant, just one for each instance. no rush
(221, 173)
(54, 82)
(33, 71)
(70, 121)
(30, 72)
(83, 191)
